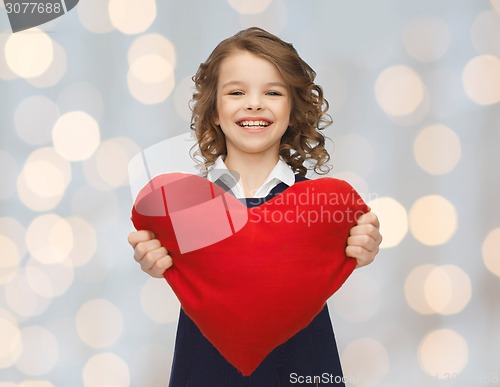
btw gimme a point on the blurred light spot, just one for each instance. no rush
(84, 241)
(447, 289)
(393, 220)
(414, 289)
(40, 351)
(106, 370)
(418, 115)
(481, 79)
(55, 71)
(399, 90)
(437, 149)
(5, 72)
(29, 53)
(13, 230)
(49, 280)
(426, 39)
(99, 323)
(491, 251)
(352, 152)
(359, 300)
(132, 16)
(32, 200)
(152, 45)
(81, 96)
(44, 179)
(433, 220)
(485, 31)
(34, 118)
(273, 18)
(49, 239)
(182, 96)
(495, 4)
(76, 136)
(443, 353)
(9, 264)
(249, 6)
(35, 192)
(11, 346)
(159, 301)
(150, 93)
(9, 168)
(22, 299)
(49, 155)
(108, 168)
(367, 361)
(94, 16)
(152, 60)
(151, 69)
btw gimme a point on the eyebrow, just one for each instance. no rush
(239, 83)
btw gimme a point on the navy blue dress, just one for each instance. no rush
(311, 352)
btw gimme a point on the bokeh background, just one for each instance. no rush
(414, 88)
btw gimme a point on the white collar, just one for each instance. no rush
(280, 173)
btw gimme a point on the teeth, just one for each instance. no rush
(254, 123)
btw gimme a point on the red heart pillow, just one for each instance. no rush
(251, 278)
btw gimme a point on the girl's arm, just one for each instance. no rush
(149, 253)
(364, 240)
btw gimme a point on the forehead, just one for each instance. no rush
(243, 66)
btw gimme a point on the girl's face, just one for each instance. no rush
(253, 105)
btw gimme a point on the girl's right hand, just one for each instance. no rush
(149, 253)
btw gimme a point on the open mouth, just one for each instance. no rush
(254, 124)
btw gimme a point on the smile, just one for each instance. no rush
(254, 124)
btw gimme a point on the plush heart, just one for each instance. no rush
(253, 277)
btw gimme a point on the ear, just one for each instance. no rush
(215, 118)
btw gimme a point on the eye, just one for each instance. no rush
(274, 93)
(236, 92)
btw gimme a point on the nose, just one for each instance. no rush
(253, 103)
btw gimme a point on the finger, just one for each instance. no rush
(136, 237)
(364, 241)
(151, 257)
(143, 248)
(369, 218)
(362, 256)
(160, 266)
(366, 229)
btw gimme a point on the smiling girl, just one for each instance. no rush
(257, 118)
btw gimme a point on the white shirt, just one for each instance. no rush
(280, 173)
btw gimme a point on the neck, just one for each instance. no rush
(252, 168)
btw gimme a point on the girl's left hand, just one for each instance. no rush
(364, 240)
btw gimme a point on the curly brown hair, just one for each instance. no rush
(303, 140)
